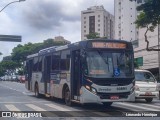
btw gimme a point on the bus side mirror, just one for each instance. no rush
(24, 63)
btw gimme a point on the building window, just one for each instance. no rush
(139, 61)
(84, 30)
(84, 17)
(84, 26)
(91, 24)
(98, 29)
(98, 20)
(99, 16)
(84, 22)
(98, 25)
(119, 17)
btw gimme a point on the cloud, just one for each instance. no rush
(38, 20)
(46, 15)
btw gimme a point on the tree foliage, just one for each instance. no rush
(149, 18)
(20, 53)
(92, 35)
(8, 67)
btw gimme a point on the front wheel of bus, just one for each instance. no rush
(67, 97)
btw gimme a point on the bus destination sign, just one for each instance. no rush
(108, 45)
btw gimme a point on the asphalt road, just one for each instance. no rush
(14, 97)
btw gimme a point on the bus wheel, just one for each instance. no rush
(67, 97)
(107, 104)
(148, 100)
(36, 91)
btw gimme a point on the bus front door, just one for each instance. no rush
(76, 75)
(29, 73)
(46, 74)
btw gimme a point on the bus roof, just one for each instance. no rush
(33, 55)
(73, 46)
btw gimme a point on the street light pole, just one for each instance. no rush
(10, 3)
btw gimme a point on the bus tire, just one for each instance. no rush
(67, 98)
(148, 100)
(107, 104)
(36, 91)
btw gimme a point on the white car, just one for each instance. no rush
(146, 86)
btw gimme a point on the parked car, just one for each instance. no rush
(146, 86)
(22, 79)
(14, 78)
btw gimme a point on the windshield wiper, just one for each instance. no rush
(102, 56)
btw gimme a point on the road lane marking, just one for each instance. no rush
(73, 112)
(57, 107)
(135, 106)
(11, 107)
(34, 107)
(24, 102)
(158, 107)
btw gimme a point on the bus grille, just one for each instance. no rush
(108, 95)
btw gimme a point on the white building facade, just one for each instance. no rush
(97, 20)
(125, 29)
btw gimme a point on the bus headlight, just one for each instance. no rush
(93, 90)
(88, 87)
(136, 88)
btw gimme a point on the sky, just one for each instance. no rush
(38, 20)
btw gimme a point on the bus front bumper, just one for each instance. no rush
(89, 97)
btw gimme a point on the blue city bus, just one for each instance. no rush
(91, 71)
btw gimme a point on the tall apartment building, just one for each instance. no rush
(125, 29)
(97, 19)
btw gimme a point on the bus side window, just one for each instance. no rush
(56, 61)
(65, 60)
(40, 64)
(35, 64)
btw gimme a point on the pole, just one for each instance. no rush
(159, 55)
(9, 4)
(159, 51)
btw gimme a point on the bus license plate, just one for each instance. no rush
(114, 97)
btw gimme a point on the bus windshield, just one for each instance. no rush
(104, 64)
